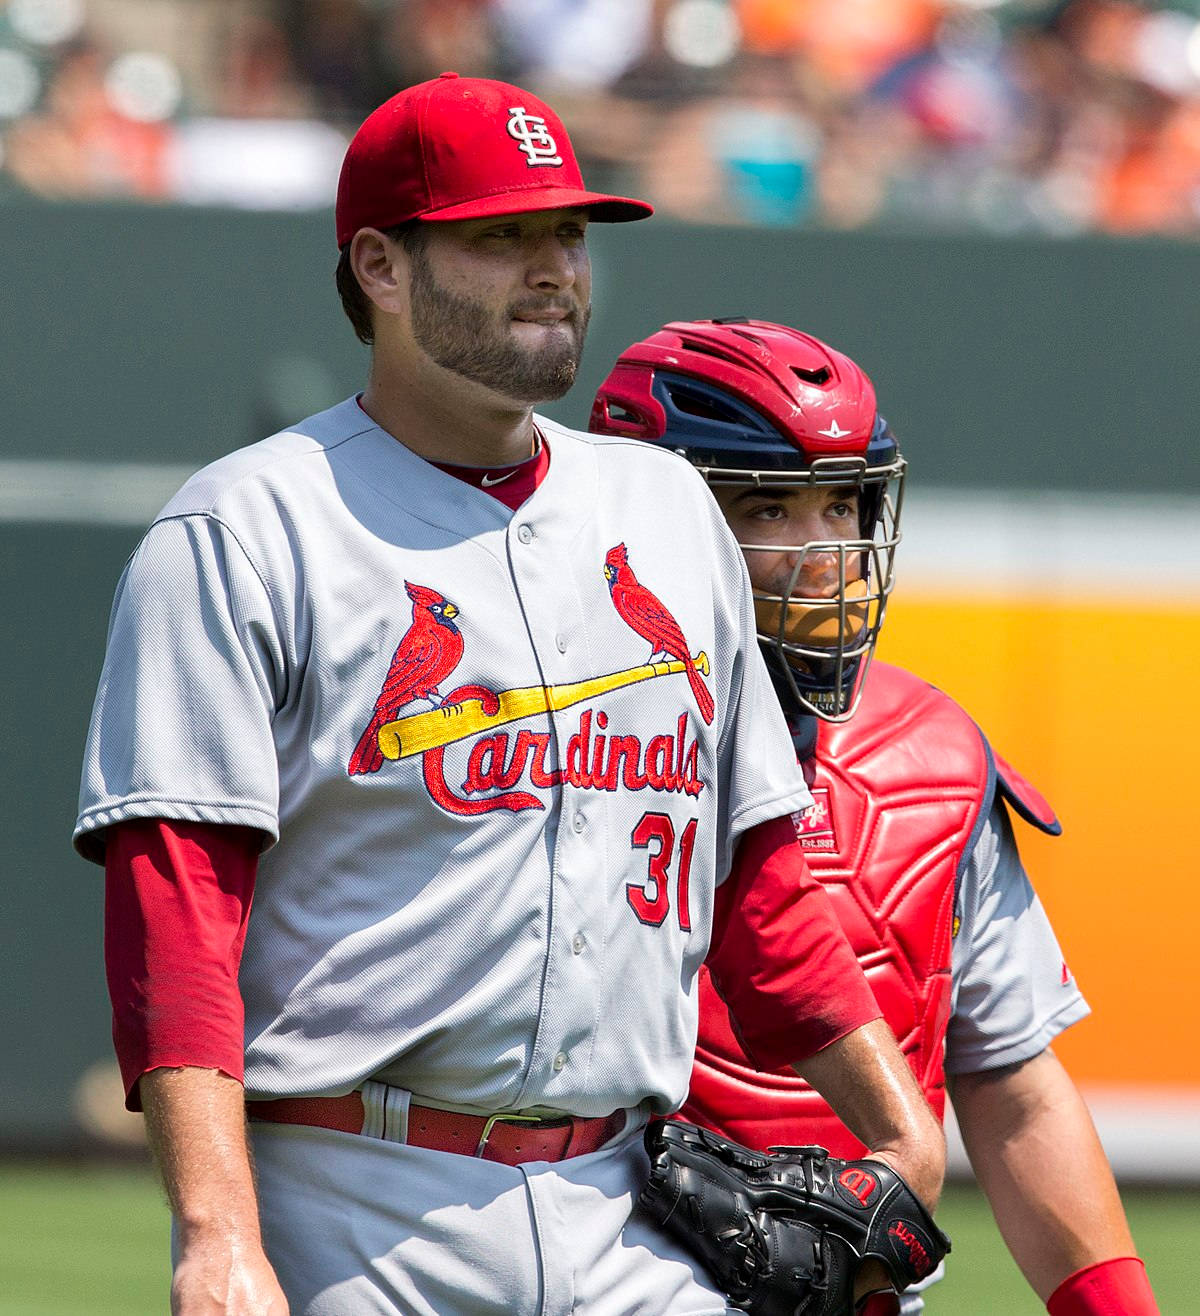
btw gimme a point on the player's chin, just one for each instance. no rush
(547, 371)
(549, 388)
(545, 381)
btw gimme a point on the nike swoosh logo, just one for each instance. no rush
(489, 480)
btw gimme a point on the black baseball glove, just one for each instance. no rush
(783, 1233)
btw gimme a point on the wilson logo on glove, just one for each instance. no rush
(859, 1184)
(915, 1251)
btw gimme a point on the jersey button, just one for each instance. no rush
(560, 642)
(578, 822)
(578, 943)
(525, 534)
(560, 1062)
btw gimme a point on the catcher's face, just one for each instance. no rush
(821, 577)
(789, 537)
(814, 607)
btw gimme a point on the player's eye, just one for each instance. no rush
(769, 512)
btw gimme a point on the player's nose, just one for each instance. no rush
(816, 574)
(551, 265)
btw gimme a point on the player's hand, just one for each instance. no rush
(225, 1275)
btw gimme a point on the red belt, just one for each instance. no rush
(509, 1139)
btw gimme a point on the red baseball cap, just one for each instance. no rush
(464, 148)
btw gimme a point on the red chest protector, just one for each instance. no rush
(901, 793)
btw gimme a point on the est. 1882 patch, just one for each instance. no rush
(814, 825)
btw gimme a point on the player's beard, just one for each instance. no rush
(462, 335)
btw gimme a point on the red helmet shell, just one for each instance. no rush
(820, 400)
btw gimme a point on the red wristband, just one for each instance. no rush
(1118, 1287)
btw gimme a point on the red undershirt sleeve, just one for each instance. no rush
(779, 957)
(177, 897)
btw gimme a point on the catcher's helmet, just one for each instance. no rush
(750, 402)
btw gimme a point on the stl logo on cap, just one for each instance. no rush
(534, 137)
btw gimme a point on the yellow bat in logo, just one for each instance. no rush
(419, 732)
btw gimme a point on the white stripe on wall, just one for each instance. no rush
(87, 493)
(1051, 544)
(1076, 544)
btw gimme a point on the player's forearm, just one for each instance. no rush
(1028, 1132)
(196, 1121)
(871, 1089)
(197, 1125)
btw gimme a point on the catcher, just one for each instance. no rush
(911, 828)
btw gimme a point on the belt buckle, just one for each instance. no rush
(503, 1117)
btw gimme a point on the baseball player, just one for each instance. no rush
(910, 828)
(433, 754)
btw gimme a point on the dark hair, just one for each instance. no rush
(355, 302)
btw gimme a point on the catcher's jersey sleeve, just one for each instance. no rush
(507, 902)
(1013, 993)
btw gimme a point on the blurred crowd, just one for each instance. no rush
(998, 115)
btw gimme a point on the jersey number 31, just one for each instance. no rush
(651, 902)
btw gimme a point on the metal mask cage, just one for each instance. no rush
(824, 671)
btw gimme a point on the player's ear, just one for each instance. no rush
(381, 267)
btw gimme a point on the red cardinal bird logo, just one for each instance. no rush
(647, 615)
(429, 651)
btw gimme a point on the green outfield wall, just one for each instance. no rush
(172, 335)
(161, 338)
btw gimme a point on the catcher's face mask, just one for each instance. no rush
(820, 549)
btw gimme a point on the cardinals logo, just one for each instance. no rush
(473, 720)
(645, 613)
(429, 651)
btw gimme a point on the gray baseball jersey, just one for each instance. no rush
(1012, 993)
(500, 759)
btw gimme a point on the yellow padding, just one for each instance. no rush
(1099, 706)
